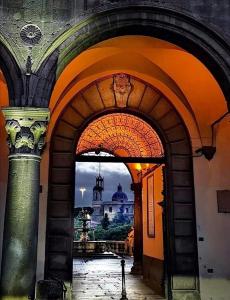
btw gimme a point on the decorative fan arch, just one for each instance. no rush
(121, 134)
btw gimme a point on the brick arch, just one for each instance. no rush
(180, 233)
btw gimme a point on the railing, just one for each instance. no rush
(98, 247)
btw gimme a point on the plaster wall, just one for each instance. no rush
(214, 227)
(153, 246)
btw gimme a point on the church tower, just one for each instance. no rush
(98, 188)
(97, 199)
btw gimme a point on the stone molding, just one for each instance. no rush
(26, 128)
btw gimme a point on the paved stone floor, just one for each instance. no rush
(101, 279)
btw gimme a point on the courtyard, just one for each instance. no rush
(101, 279)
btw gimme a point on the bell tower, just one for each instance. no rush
(97, 198)
(98, 188)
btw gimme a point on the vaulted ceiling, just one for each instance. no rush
(178, 75)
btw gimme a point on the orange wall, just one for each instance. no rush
(4, 97)
(153, 246)
(183, 79)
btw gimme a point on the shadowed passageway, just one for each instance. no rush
(101, 279)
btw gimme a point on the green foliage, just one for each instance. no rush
(117, 230)
(105, 222)
(77, 225)
(113, 233)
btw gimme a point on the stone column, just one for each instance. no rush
(138, 229)
(26, 128)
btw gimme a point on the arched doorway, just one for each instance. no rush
(171, 25)
(150, 105)
(137, 144)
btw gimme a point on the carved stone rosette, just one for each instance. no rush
(26, 129)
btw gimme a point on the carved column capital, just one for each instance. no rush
(26, 127)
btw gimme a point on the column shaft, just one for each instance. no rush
(21, 227)
(26, 129)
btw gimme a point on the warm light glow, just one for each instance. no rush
(4, 97)
(138, 167)
(123, 135)
(155, 61)
(153, 247)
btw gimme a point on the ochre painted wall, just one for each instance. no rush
(153, 246)
(4, 97)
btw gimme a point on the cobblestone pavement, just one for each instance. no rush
(101, 279)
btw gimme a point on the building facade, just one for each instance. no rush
(152, 78)
(118, 207)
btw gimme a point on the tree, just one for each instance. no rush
(105, 222)
(120, 218)
(115, 233)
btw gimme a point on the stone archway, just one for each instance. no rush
(152, 106)
(153, 21)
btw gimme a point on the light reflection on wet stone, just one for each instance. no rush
(101, 279)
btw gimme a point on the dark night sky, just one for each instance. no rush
(113, 173)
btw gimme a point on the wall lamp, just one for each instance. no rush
(207, 151)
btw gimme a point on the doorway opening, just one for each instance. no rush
(104, 204)
(135, 142)
(109, 241)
